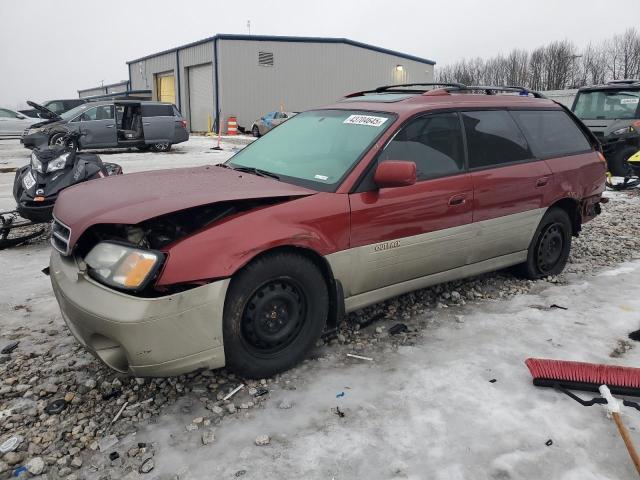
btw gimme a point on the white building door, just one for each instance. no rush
(200, 97)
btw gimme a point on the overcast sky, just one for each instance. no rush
(50, 49)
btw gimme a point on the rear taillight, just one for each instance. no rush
(184, 123)
(601, 157)
(636, 125)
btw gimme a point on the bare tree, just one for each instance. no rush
(555, 66)
(623, 54)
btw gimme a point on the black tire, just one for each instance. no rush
(161, 147)
(617, 162)
(56, 139)
(275, 311)
(550, 247)
(255, 131)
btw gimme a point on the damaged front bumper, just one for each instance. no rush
(162, 336)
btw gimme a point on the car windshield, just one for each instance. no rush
(607, 104)
(70, 114)
(315, 149)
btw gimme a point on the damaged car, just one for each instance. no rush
(145, 125)
(247, 263)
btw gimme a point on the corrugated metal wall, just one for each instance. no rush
(189, 57)
(143, 72)
(303, 75)
(121, 87)
(565, 97)
(91, 92)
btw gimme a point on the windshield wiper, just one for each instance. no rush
(256, 171)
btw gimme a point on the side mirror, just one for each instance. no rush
(395, 173)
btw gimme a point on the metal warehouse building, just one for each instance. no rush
(247, 76)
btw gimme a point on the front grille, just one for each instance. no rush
(60, 234)
(26, 131)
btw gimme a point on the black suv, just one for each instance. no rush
(56, 106)
(612, 113)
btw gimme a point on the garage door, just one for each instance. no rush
(200, 97)
(167, 88)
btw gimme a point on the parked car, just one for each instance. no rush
(245, 264)
(112, 124)
(12, 123)
(270, 121)
(612, 113)
(56, 106)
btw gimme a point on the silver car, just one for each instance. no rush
(269, 121)
(112, 124)
(13, 123)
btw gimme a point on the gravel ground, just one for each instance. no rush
(47, 370)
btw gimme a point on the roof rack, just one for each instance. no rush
(402, 88)
(448, 87)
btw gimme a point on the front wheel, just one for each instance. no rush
(275, 311)
(161, 147)
(550, 247)
(57, 139)
(255, 131)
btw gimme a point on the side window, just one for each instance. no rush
(433, 142)
(56, 106)
(157, 110)
(103, 112)
(493, 138)
(7, 114)
(551, 133)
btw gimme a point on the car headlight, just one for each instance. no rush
(35, 163)
(58, 163)
(121, 266)
(622, 131)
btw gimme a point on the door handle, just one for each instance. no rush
(541, 182)
(146, 123)
(460, 199)
(110, 126)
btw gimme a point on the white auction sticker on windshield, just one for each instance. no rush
(365, 120)
(629, 101)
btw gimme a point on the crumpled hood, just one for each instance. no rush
(133, 198)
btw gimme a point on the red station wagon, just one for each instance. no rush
(245, 264)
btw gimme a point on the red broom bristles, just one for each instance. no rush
(611, 375)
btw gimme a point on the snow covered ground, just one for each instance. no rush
(451, 399)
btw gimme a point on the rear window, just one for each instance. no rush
(493, 138)
(552, 133)
(157, 110)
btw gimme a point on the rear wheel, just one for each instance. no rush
(255, 131)
(161, 147)
(275, 311)
(550, 247)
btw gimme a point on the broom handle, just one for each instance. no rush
(624, 433)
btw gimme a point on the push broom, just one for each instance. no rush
(606, 379)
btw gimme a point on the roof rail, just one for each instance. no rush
(492, 89)
(402, 87)
(449, 87)
(623, 81)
